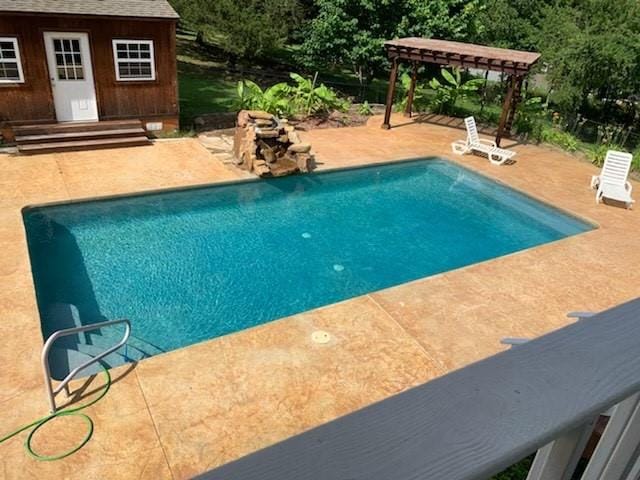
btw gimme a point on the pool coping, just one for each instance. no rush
(248, 181)
(414, 321)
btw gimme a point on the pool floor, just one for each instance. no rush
(190, 265)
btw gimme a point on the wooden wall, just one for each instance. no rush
(32, 101)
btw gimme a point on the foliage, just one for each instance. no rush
(599, 152)
(555, 136)
(511, 23)
(593, 50)
(530, 118)
(451, 88)
(420, 98)
(351, 32)
(310, 99)
(274, 99)
(245, 29)
(518, 471)
(635, 163)
(365, 109)
(303, 98)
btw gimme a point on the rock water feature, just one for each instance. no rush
(268, 146)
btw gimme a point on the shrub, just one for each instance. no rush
(530, 118)
(635, 163)
(365, 109)
(557, 137)
(451, 88)
(420, 99)
(273, 99)
(599, 152)
(309, 99)
(303, 98)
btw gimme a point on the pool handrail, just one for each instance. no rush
(52, 392)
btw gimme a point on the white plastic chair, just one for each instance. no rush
(474, 143)
(612, 182)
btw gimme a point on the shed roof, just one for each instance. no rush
(119, 8)
(462, 54)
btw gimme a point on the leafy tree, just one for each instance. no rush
(242, 29)
(593, 50)
(512, 23)
(352, 32)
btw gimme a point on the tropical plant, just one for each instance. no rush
(419, 98)
(451, 88)
(274, 99)
(309, 99)
(303, 98)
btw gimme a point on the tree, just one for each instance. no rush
(242, 29)
(352, 32)
(592, 48)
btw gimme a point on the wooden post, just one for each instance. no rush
(515, 99)
(506, 108)
(412, 89)
(393, 77)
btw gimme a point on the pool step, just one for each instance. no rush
(58, 137)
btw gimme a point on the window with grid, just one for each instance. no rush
(10, 63)
(68, 59)
(134, 60)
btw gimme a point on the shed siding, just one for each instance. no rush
(32, 101)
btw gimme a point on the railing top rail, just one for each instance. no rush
(51, 392)
(471, 423)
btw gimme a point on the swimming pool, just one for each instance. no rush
(189, 265)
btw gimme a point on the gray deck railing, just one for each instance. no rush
(477, 421)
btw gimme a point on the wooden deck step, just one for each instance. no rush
(68, 127)
(84, 135)
(93, 144)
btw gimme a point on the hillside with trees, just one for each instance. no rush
(583, 95)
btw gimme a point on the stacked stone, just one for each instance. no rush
(269, 147)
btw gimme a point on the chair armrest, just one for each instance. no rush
(489, 142)
(595, 180)
(629, 187)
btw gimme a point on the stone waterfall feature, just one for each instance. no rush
(268, 146)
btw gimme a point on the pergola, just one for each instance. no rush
(415, 51)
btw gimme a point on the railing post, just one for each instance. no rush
(617, 453)
(558, 460)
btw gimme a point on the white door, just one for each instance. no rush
(71, 75)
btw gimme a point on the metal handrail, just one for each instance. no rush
(51, 392)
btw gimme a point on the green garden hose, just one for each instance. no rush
(62, 413)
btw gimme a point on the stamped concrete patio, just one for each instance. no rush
(190, 410)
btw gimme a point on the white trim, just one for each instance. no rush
(18, 60)
(151, 61)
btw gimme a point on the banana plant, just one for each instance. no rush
(451, 87)
(310, 99)
(274, 99)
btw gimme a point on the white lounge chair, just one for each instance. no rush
(474, 143)
(612, 182)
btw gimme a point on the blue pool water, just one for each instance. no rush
(190, 265)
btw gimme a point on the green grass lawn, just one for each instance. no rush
(203, 92)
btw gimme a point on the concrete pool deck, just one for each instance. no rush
(190, 410)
